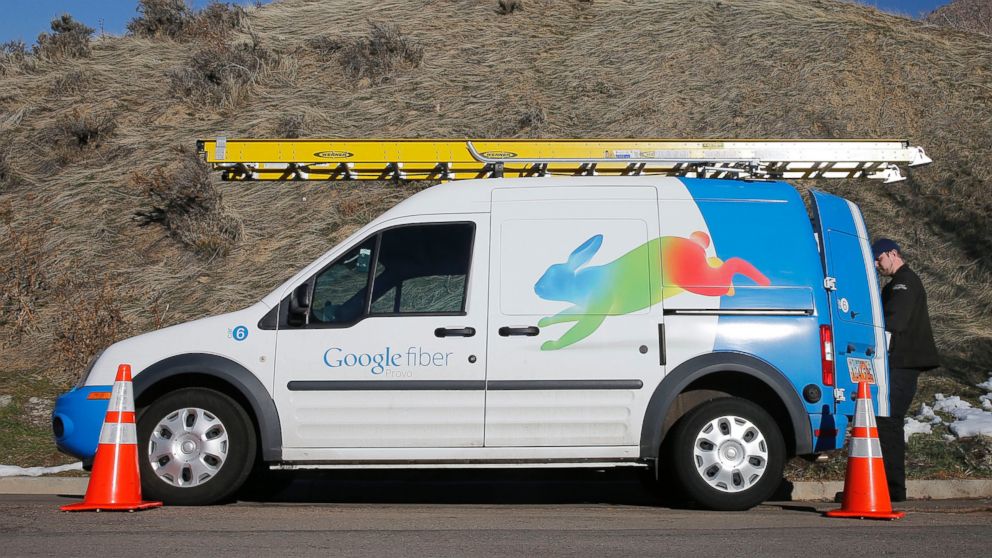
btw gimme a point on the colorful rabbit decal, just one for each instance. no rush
(616, 288)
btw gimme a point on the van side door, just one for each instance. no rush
(573, 325)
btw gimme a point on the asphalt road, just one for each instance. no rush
(477, 515)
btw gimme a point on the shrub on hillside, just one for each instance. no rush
(376, 57)
(187, 204)
(217, 74)
(216, 20)
(532, 120)
(291, 126)
(68, 39)
(504, 7)
(14, 55)
(160, 18)
(85, 128)
(69, 83)
(324, 45)
(174, 19)
(77, 132)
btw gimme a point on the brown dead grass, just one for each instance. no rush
(974, 16)
(610, 68)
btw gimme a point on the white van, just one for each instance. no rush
(676, 324)
(689, 327)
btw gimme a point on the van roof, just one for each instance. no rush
(474, 196)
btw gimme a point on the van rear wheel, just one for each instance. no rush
(728, 454)
(196, 447)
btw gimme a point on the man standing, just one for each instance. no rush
(911, 351)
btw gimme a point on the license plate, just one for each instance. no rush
(860, 370)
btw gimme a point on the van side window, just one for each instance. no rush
(422, 269)
(339, 292)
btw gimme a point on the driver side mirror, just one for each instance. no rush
(299, 305)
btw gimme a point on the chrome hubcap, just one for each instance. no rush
(730, 454)
(188, 447)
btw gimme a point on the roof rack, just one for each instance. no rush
(451, 159)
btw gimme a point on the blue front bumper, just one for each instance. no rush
(76, 421)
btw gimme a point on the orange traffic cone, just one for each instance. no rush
(866, 492)
(114, 483)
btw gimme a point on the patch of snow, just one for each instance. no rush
(968, 421)
(926, 415)
(987, 384)
(972, 422)
(15, 471)
(949, 404)
(914, 426)
(986, 401)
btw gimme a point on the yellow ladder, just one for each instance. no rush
(458, 159)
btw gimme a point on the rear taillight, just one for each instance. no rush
(827, 354)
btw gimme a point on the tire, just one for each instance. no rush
(727, 454)
(195, 447)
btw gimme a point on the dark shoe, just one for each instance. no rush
(839, 497)
(897, 497)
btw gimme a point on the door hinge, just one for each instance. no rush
(830, 283)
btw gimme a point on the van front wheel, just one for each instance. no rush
(728, 454)
(196, 447)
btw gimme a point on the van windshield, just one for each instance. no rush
(419, 269)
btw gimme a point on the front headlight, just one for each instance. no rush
(89, 368)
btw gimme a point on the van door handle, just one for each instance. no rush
(529, 331)
(869, 352)
(454, 332)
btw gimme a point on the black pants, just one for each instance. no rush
(902, 388)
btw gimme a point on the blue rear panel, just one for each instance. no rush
(767, 225)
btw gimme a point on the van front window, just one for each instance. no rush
(339, 291)
(415, 269)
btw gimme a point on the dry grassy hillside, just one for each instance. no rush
(967, 15)
(109, 228)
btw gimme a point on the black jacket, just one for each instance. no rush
(907, 318)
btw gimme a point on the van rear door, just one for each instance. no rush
(854, 298)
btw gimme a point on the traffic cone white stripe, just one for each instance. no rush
(121, 399)
(865, 447)
(865, 414)
(118, 433)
